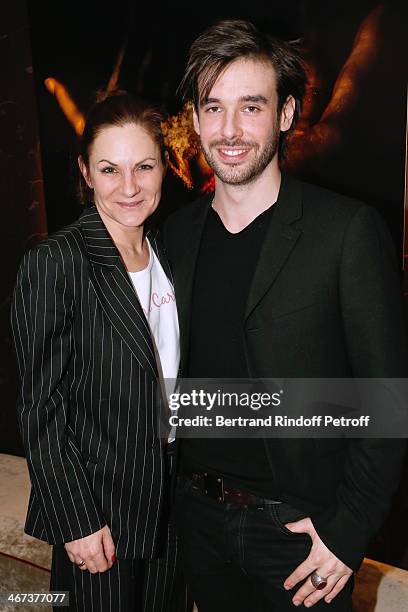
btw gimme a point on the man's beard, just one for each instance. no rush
(241, 174)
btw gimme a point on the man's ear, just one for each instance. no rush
(196, 121)
(287, 114)
(84, 171)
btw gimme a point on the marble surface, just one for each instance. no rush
(22, 577)
(380, 588)
(14, 494)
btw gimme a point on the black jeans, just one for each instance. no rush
(236, 557)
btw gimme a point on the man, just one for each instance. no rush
(276, 278)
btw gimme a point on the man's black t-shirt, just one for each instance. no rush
(225, 268)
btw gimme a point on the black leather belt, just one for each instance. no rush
(215, 487)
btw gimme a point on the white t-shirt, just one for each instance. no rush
(156, 297)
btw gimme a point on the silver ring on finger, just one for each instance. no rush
(318, 581)
(81, 564)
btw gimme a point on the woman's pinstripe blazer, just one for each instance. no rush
(88, 403)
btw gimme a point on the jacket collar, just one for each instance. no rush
(100, 246)
(115, 290)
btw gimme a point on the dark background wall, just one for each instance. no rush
(21, 190)
(78, 44)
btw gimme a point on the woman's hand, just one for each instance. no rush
(97, 551)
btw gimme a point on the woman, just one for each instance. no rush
(93, 337)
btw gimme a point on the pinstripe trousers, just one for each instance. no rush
(131, 585)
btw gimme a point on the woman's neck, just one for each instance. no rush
(130, 242)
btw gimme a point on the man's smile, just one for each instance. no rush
(232, 154)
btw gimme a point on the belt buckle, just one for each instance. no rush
(214, 486)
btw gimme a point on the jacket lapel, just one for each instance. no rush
(185, 272)
(115, 291)
(279, 241)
